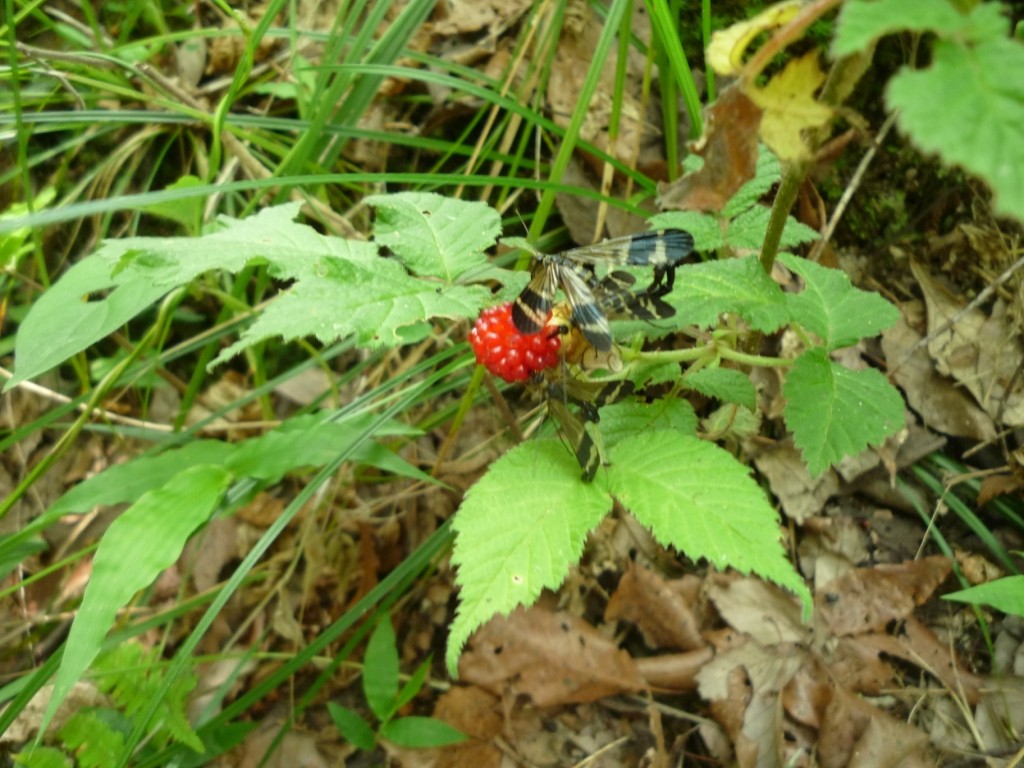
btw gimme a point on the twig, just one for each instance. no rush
(851, 188)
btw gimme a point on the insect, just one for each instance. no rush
(581, 430)
(613, 297)
(573, 272)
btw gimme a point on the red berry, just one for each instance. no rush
(506, 352)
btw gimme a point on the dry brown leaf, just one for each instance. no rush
(1000, 714)
(982, 352)
(749, 679)
(858, 667)
(555, 658)
(919, 646)
(866, 599)
(800, 495)
(831, 547)
(855, 733)
(477, 714)
(763, 611)
(942, 405)
(660, 609)
(729, 149)
(674, 671)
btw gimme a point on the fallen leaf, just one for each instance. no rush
(800, 495)
(866, 599)
(660, 609)
(981, 351)
(763, 611)
(554, 658)
(729, 149)
(940, 403)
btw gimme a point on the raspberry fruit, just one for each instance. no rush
(506, 352)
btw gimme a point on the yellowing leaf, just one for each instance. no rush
(790, 107)
(725, 53)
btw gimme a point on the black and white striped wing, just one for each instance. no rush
(586, 314)
(533, 305)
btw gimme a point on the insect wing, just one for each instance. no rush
(532, 306)
(586, 314)
(658, 248)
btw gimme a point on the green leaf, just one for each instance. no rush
(414, 684)
(91, 740)
(147, 538)
(832, 309)
(696, 497)
(352, 727)
(725, 384)
(731, 285)
(972, 85)
(421, 732)
(64, 320)
(41, 757)
(1006, 595)
(519, 529)
(861, 22)
(341, 287)
(767, 174)
(186, 211)
(834, 412)
(311, 441)
(133, 676)
(380, 669)
(434, 235)
(125, 483)
(375, 300)
(628, 418)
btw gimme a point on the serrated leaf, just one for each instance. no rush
(834, 412)
(373, 301)
(380, 669)
(861, 22)
(416, 732)
(970, 83)
(628, 418)
(725, 384)
(91, 740)
(767, 175)
(35, 756)
(518, 530)
(696, 497)
(790, 107)
(435, 235)
(144, 540)
(739, 286)
(832, 309)
(352, 727)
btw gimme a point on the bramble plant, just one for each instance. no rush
(513, 539)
